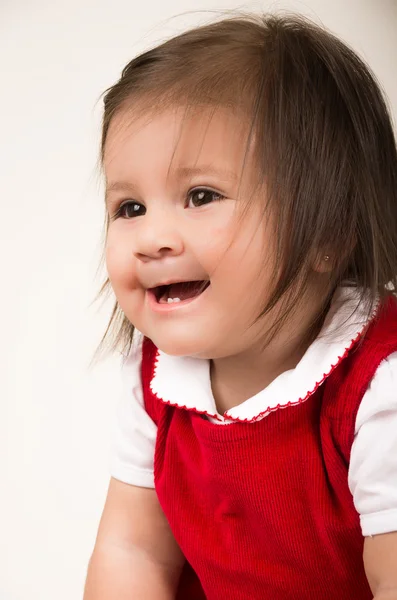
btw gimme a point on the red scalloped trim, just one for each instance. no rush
(269, 410)
(169, 403)
(301, 400)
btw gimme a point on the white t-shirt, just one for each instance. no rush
(185, 381)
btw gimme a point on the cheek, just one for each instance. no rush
(218, 240)
(239, 251)
(118, 262)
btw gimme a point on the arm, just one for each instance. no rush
(135, 555)
(380, 561)
(373, 479)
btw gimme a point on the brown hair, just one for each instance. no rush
(323, 138)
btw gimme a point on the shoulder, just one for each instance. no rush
(381, 394)
(370, 360)
(383, 327)
(373, 460)
(139, 360)
(134, 433)
(131, 361)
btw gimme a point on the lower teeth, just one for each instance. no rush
(171, 300)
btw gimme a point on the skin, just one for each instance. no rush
(154, 165)
(157, 162)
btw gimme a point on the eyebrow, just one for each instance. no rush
(209, 170)
(182, 172)
(119, 186)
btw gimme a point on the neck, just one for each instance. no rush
(236, 378)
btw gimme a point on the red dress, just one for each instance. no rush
(262, 509)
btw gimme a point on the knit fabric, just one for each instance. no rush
(263, 509)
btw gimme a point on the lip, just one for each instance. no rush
(169, 282)
(172, 306)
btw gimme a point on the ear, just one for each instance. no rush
(323, 263)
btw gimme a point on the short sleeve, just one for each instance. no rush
(133, 444)
(373, 462)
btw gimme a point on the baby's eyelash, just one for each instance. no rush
(202, 192)
(200, 196)
(138, 207)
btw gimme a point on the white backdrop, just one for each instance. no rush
(55, 60)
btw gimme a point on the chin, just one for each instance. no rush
(193, 348)
(176, 347)
(181, 346)
(187, 339)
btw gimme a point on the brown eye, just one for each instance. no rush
(130, 210)
(202, 196)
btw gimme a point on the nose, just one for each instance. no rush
(157, 237)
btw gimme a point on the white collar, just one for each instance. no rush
(185, 381)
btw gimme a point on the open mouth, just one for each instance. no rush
(179, 292)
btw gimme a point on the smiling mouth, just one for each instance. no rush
(179, 292)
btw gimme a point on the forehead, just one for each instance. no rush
(175, 139)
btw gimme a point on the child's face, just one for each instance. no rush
(172, 230)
